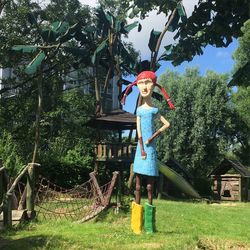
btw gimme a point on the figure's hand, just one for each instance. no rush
(147, 142)
(143, 155)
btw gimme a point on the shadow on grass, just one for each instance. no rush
(111, 215)
(30, 242)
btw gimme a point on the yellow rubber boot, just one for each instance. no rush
(136, 218)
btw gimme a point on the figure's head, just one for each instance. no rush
(146, 81)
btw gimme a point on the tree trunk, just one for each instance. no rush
(97, 93)
(154, 60)
(38, 117)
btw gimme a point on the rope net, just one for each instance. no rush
(80, 203)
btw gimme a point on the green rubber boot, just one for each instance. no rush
(149, 218)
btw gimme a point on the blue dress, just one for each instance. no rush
(147, 166)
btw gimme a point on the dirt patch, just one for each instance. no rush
(149, 245)
(216, 244)
(226, 204)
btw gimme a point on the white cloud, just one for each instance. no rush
(153, 21)
(156, 22)
(91, 3)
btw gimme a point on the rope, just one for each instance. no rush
(80, 203)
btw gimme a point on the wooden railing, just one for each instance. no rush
(121, 152)
(6, 194)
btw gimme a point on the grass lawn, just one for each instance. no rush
(180, 225)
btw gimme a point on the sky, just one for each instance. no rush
(217, 59)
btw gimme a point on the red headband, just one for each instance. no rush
(147, 75)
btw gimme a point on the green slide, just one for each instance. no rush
(178, 180)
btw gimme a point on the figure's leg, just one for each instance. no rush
(137, 209)
(149, 210)
(150, 189)
(138, 189)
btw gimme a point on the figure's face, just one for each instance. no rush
(146, 87)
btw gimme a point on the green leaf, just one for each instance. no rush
(154, 36)
(35, 63)
(131, 26)
(25, 48)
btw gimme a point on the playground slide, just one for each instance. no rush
(178, 180)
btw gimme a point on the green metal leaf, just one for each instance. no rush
(110, 17)
(31, 18)
(60, 27)
(139, 27)
(104, 18)
(174, 24)
(131, 26)
(118, 26)
(90, 29)
(25, 48)
(154, 36)
(49, 35)
(181, 10)
(168, 47)
(75, 51)
(70, 32)
(35, 64)
(136, 10)
(131, 15)
(142, 66)
(103, 46)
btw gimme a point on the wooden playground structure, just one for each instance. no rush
(40, 197)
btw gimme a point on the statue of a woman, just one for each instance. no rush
(145, 162)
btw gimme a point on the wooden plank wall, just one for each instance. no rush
(227, 187)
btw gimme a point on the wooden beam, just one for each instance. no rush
(96, 185)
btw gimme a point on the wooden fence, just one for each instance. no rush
(121, 152)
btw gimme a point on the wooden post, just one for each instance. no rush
(112, 184)
(30, 195)
(131, 176)
(240, 189)
(96, 185)
(1, 184)
(247, 188)
(160, 186)
(119, 193)
(7, 211)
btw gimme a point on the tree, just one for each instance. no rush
(197, 136)
(241, 97)
(212, 22)
(241, 75)
(17, 112)
(241, 145)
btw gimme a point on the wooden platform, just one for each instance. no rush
(17, 217)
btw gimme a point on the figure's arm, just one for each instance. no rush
(166, 124)
(138, 127)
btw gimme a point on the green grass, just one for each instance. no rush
(180, 225)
